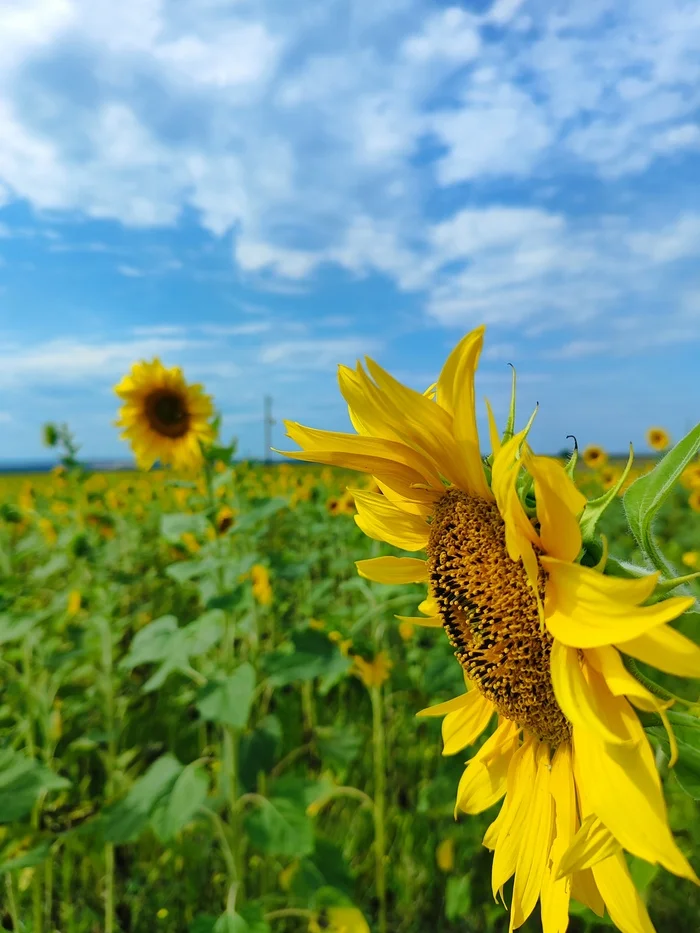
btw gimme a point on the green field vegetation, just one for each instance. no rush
(208, 719)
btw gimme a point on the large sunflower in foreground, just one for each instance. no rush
(163, 417)
(540, 638)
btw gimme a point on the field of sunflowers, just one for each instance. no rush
(208, 717)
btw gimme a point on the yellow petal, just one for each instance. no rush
(381, 520)
(585, 609)
(520, 781)
(555, 894)
(592, 843)
(625, 906)
(666, 649)
(483, 782)
(581, 694)
(585, 891)
(425, 621)
(393, 569)
(559, 503)
(494, 436)
(367, 413)
(427, 427)
(455, 394)
(622, 787)
(534, 846)
(449, 706)
(462, 727)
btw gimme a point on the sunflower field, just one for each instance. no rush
(208, 717)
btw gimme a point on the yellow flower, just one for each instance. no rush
(691, 558)
(694, 500)
(191, 544)
(691, 476)
(658, 439)
(406, 630)
(163, 417)
(262, 591)
(609, 476)
(594, 456)
(339, 920)
(286, 876)
(540, 638)
(74, 603)
(225, 518)
(373, 673)
(317, 625)
(48, 531)
(162, 913)
(445, 855)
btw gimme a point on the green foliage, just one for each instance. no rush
(228, 700)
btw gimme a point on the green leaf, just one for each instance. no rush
(339, 746)
(313, 655)
(22, 779)
(326, 867)
(458, 897)
(176, 524)
(179, 807)
(280, 827)
(183, 570)
(687, 731)
(229, 600)
(126, 820)
(12, 629)
(259, 514)
(647, 494)
(173, 646)
(594, 508)
(228, 701)
(204, 923)
(28, 859)
(258, 751)
(249, 919)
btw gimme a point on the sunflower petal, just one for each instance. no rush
(533, 851)
(592, 843)
(555, 894)
(462, 727)
(585, 609)
(449, 706)
(425, 621)
(585, 891)
(622, 787)
(581, 694)
(559, 503)
(521, 778)
(393, 569)
(484, 780)
(625, 906)
(381, 520)
(666, 649)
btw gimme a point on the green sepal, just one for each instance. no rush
(573, 459)
(594, 509)
(647, 494)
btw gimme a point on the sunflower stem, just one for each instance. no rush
(379, 811)
(652, 686)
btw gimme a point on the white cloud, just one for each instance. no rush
(678, 240)
(448, 35)
(130, 272)
(315, 354)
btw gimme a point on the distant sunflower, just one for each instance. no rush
(694, 500)
(163, 417)
(658, 439)
(594, 456)
(538, 634)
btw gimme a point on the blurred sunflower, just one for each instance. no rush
(375, 672)
(163, 417)
(537, 633)
(658, 439)
(594, 456)
(694, 500)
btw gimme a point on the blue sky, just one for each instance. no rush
(258, 190)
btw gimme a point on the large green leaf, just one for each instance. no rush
(310, 655)
(647, 494)
(258, 751)
(280, 827)
(228, 700)
(22, 779)
(686, 728)
(175, 525)
(176, 808)
(458, 897)
(247, 919)
(28, 859)
(126, 820)
(165, 642)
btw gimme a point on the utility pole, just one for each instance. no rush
(268, 421)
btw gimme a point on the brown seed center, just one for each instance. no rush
(167, 413)
(489, 612)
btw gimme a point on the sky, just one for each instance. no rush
(258, 190)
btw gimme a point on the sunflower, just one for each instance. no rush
(694, 500)
(594, 456)
(658, 439)
(163, 417)
(540, 637)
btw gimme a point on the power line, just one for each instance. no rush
(268, 422)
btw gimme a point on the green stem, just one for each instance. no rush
(67, 912)
(289, 912)
(48, 888)
(379, 811)
(107, 667)
(11, 902)
(652, 686)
